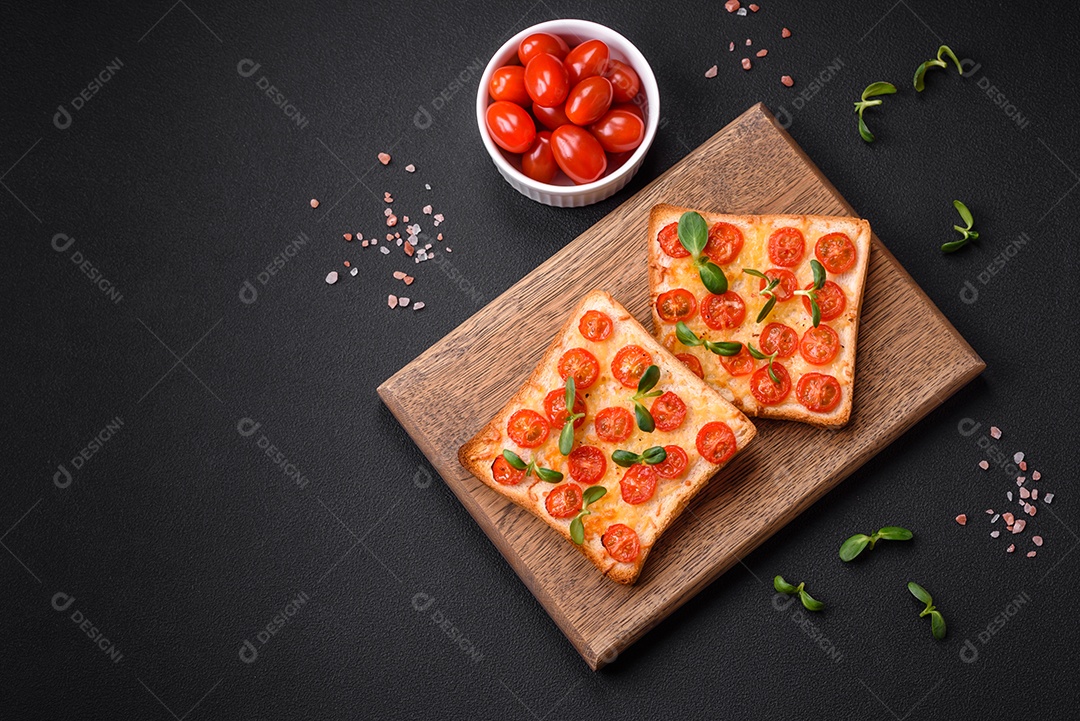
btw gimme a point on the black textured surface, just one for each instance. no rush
(180, 538)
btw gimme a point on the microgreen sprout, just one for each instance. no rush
(860, 542)
(691, 340)
(650, 457)
(566, 437)
(694, 236)
(592, 494)
(769, 291)
(544, 474)
(872, 90)
(937, 621)
(808, 601)
(645, 390)
(762, 356)
(920, 72)
(819, 283)
(966, 233)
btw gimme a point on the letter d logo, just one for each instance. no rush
(969, 293)
(422, 601)
(62, 477)
(247, 67)
(248, 293)
(62, 118)
(248, 653)
(246, 427)
(422, 120)
(968, 652)
(62, 601)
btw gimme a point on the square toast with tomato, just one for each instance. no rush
(644, 435)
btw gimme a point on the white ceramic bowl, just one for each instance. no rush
(570, 195)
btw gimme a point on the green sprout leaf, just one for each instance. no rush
(690, 339)
(577, 530)
(514, 460)
(965, 214)
(809, 602)
(920, 72)
(645, 385)
(530, 468)
(652, 456)
(947, 52)
(856, 544)
(566, 438)
(761, 356)
(920, 593)
(819, 274)
(571, 393)
(625, 458)
(872, 90)
(783, 586)
(937, 625)
(686, 336)
(547, 475)
(643, 417)
(648, 379)
(878, 88)
(713, 277)
(864, 131)
(894, 533)
(592, 494)
(693, 232)
(966, 233)
(853, 546)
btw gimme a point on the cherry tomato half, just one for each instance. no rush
(595, 325)
(669, 241)
(724, 311)
(527, 428)
(581, 364)
(786, 247)
(818, 392)
(508, 83)
(740, 364)
(564, 500)
(505, 474)
(538, 43)
(830, 299)
(785, 289)
(638, 484)
(780, 339)
(836, 252)
(510, 126)
(587, 464)
(716, 442)
(625, 80)
(725, 242)
(550, 118)
(767, 391)
(555, 408)
(588, 59)
(691, 361)
(539, 162)
(676, 305)
(619, 131)
(614, 424)
(622, 543)
(672, 466)
(545, 79)
(668, 410)
(819, 345)
(578, 153)
(629, 364)
(589, 100)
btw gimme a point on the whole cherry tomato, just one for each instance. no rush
(588, 59)
(578, 153)
(625, 80)
(552, 117)
(538, 43)
(508, 83)
(619, 131)
(510, 126)
(539, 162)
(589, 100)
(546, 80)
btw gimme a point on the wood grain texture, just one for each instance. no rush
(751, 166)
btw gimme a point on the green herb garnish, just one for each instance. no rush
(761, 356)
(690, 339)
(808, 601)
(855, 545)
(768, 291)
(694, 236)
(819, 283)
(966, 233)
(872, 90)
(650, 457)
(937, 621)
(566, 437)
(592, 494)
(645, 385)
(544, 474)
(920, 72)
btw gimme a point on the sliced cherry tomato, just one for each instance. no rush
(589, 100)
(818, 392)
(621, 543)
(836, 252)
(819, 345)
(581, 364)
(508, 83)
(505, 474)
(595, 325)
(631, 107)
(691, 361)
(619, 131)
(555, 407)
(510, 126)
(675, 463)
(539, 162)
(725, 242)
(676, 305)
(630, 364)
(669, 241)
(588, 59)
(740, 364)
(545, 79)
(716, 442)
(786, 247)
(587, 464)
(624, 79)
(767, 391)
(668, 411)
(638, 484)
(785, 289)
(723, 312)
(578, 153)
(564, 500)
(780, 339)
(614, 424)
(527, 428)
(538, 43)
(830, 299)
(550, 118)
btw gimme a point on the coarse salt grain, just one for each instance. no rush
(331, 277)
(1030, 510)
(438, 237)
(388, 212)
(398, 274)
(1048, 498)
(1019, 525)
(1034, 494)
(354, 271)
(439, 217)
(995, 534)
(1023, 465)
(732, 5)
(392, 301)
(741, 11)
(385, 250)
(1037, 540)
(408, 280)
(1025, 493)
(961, 519)
(989, 511)
(405, 218)
(754, 8)
(365, 244)
(785, 33)
(391, 221)
(347, 264)
(427, 186)
(314, 203)
(403, 302)
(731, 47)
(1035, 475)
(1018, 456)
(1008, 517)
(995, 518)
(762, 53)
(409, 249)
(995, 432)
(749, 42)
(1011, 548)
(746, 63)
(711, 72)
(1019, 480)
(1031, 554)
(384, 158)
(418, 305)
(347, 236)
(984, 465)
(410, 168)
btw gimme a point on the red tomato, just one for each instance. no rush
(676, 305)
(625, 80)
(614, 424)
(669, 241)
(740, 364)
(630, 108)
(581, 364)
(630, 364)
(538, 43)
(638, 484)
(621, 542)
(587, 464)
(588, 59)
(564, 500)
(723, 312)
(830, 300)
(836, 252)
(510, 126)
(765, 389)
(691, 361)
(595, 325)
(716, 442)
(780, 339)
(550, 118)
(819, 345)
(786, 247)
(588, 100)
(508, 83)
(675, 463)
(578, 153)
(668, 411)
(539, 162)
(555, 407)
(725, 242)
(545, 79)
(818, 392)
(527, 428)
(619, 131)
(785, 289)
(505, 474)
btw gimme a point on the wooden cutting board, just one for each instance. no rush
(909, 360)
